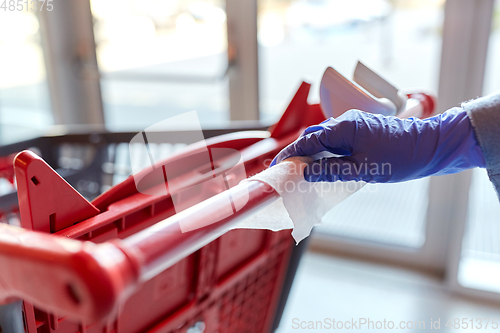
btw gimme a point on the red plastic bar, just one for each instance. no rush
(163, 244)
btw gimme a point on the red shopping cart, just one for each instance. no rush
(121, 262)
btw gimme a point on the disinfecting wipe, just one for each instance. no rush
(303, 204)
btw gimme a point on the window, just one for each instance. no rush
(299, 39)
(24, 97)
(159, 58)
(481, 249)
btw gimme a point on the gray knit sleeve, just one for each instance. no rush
(484, 114)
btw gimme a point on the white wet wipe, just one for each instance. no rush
(302, 204)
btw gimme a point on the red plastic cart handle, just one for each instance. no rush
(79, 278)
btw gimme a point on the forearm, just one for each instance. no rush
(456, 146)
(484, 114)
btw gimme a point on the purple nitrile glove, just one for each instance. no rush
(382, 149)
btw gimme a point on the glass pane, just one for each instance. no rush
(479, 264)
(300, 38)
(492, 79)
(160, 58)
(386, 213)
(24, 98)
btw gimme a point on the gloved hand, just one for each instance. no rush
(382, 149)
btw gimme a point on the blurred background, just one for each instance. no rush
(417, 249)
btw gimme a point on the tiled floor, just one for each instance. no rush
(347, 290)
